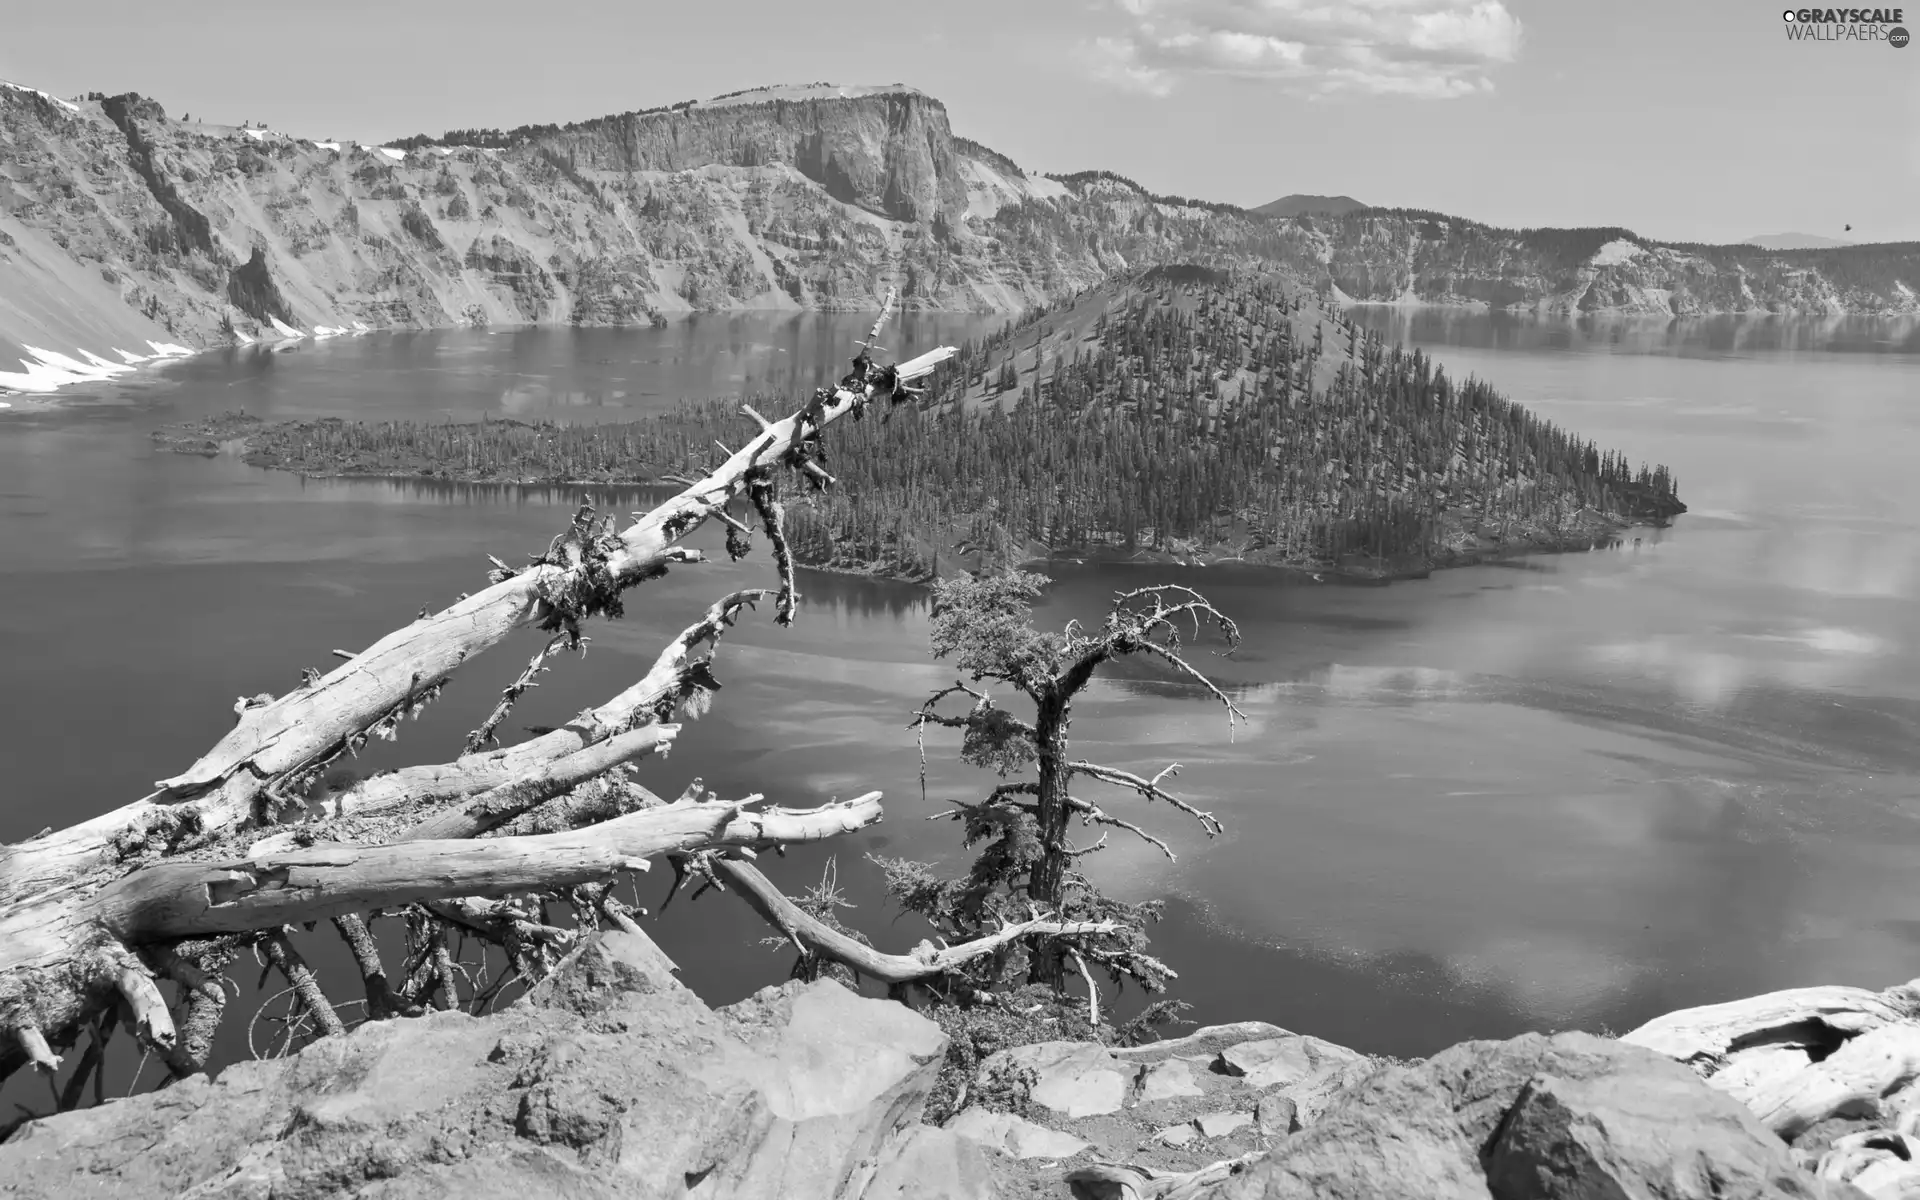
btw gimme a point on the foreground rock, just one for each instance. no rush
(1534, 1118)
(1833, 1070)
(611, 1080)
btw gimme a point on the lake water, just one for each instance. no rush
(1575, 791)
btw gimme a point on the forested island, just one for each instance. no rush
(1184, 415)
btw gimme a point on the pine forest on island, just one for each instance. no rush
(1187, 414)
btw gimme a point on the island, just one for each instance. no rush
(1186, 414)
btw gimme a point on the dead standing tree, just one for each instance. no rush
(244, 844)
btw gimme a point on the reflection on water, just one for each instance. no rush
(1578, 790)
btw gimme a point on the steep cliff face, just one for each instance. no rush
(117, 220)
(887, 151)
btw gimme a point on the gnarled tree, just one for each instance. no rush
(1023, 914)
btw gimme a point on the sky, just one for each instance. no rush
(1695, 121)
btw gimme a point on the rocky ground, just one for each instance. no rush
(611, 1080)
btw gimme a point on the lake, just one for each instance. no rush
(1576, 790)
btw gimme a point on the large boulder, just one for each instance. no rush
(1637, 1133)
(1565, 1116)
(611, 1080)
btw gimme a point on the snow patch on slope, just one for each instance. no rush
(47, 96)
(50, 370)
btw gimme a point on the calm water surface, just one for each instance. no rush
(1576, 791)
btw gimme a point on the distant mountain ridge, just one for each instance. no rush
(117, 220)
(1300, 205)
(1796, 241)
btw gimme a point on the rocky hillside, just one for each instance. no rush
(118, 221)
(612, 1081)
(1406, 256)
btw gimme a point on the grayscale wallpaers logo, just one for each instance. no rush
(1846, 25)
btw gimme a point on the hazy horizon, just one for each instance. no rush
(1701, 123)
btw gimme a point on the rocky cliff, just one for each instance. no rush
(119, 221)
(1399, 256)
(611, 1081)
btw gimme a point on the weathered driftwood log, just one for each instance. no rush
(314, 883)
(81, 906)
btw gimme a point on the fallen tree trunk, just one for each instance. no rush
(280, 739)
(315, 883)
(88, 913)
(177, 900)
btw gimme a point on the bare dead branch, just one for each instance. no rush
(483, 737)
(499, 805)
(199, 1021)
(146, 1008)
(282, 954)
(815, 937)
(674, 679)
(1150, 789)
(1234, 715)
(1093, 990)
(498, 922)
(446, 996)
(1093, 814)
(33, 1044)
(381, 1002)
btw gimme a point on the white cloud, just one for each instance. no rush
(1435, 49)
(1117, 61)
